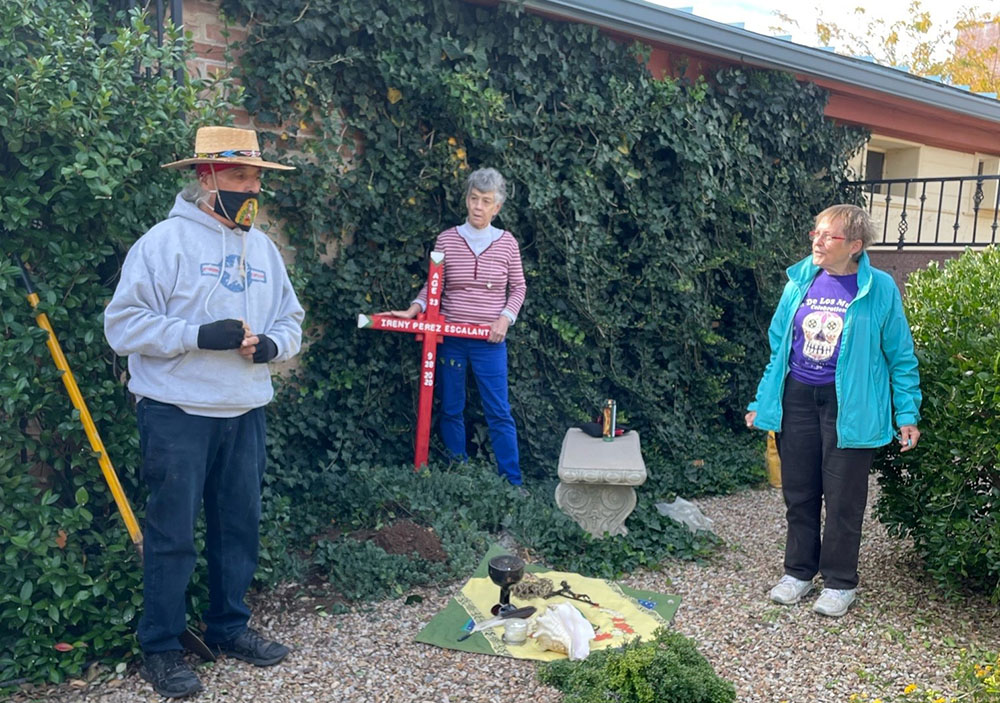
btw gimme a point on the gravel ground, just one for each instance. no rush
(899, 631)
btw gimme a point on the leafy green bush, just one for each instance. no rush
(655, 220)
(667, 668)
(978, 675)
(707, 467)
(81, 140)
(946, 494)
(363, 570)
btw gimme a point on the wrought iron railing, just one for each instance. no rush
(961, 211)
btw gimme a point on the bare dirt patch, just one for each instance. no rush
(405, 537)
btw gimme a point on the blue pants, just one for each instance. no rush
(489, 367)
(188, 459)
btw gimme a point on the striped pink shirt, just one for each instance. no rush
(477, 289)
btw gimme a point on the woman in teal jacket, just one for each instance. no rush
(842, 371)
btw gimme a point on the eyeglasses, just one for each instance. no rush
(824, 237)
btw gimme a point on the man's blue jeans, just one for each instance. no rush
(489, 367)
(187, 459)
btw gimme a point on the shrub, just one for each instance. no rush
(946, 494)
(667, 668)
(82, 135)
(707, 467)
(654, 217)
(362, 570)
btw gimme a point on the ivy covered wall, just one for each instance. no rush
(654, 216)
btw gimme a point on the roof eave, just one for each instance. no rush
(662, 25)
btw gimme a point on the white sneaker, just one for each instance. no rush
(789, 590)
(834, 601)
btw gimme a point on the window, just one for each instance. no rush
(875, 169)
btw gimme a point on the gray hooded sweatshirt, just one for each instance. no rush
(184, 272)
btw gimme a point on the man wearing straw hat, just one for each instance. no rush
(203, 304)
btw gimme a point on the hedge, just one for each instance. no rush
(946, 494)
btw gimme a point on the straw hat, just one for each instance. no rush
(227, 145)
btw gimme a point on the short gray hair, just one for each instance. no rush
(487, 180)
(855, 222)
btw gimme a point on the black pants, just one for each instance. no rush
(813, 469)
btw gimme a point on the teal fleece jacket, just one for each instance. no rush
(876, 356)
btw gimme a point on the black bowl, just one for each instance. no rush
(506, 570)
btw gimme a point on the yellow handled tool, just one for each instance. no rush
(190, 638)
(131, 524)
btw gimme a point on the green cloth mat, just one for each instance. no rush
(445, 628)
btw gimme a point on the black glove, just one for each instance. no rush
(266, 349)
(221, 334)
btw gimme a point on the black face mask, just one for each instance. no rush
(240, 207)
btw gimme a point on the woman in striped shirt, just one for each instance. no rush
(483, 284)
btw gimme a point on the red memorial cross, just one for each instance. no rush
(432, 328)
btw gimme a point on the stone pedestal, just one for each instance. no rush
(596, 480)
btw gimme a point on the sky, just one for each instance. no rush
(759, 15)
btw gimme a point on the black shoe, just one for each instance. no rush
(251, 647)
(170, 674)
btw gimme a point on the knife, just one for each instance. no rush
(525, 612)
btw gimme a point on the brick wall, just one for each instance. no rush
(902, 263)
(211, 38)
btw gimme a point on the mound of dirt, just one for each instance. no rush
(405, 537)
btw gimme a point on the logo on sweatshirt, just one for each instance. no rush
(231, 277)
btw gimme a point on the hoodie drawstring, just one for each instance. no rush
(246, 279)
(222, 268)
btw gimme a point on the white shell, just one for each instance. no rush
(562, 628)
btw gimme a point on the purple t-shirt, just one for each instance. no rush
(817, 327)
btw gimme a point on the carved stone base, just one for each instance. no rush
(596, 480)
(597, 508)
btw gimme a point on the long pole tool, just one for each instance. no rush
(190, 639)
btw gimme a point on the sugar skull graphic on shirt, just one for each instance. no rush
(821, 331)
(818, 328)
